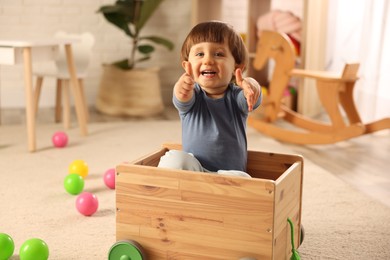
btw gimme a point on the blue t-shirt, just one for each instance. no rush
(214, 130)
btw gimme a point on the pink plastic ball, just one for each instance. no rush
(109, 178)
(87, 203)
(59, 139)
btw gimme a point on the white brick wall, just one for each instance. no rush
(42, 18)
(235, 13)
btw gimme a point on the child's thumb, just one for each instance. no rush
(188, 68)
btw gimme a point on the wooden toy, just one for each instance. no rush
(335, 93)
(174, 214)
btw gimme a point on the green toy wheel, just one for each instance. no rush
(126, 250)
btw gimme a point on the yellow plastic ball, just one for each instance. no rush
(264, 90)
(80, 167)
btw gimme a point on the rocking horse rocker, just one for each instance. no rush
(334, 92)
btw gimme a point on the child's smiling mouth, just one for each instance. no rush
(208, 73)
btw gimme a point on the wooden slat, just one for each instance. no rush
(150, 176)
(151, 159)
(148, 190)
(195, 212)
(225, 185)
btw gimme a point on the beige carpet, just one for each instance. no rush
(340, 222)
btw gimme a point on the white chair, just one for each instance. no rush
(82, 52)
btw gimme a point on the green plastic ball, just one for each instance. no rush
(34, 249)
(7, 246)
(74, 183)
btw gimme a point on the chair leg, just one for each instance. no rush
(83, 99)
(58, 104)
(66, 105)
(37, 94)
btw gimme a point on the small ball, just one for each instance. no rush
(264, 91)
(74, 183)
(109, 178)
(59, 139)
(80, 167)
(7, 246)
(34, 249)
(87, 203)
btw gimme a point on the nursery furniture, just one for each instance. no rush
(176, 214)
(82, 51)
(335, 93)
(25, 51)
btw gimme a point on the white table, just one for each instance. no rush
(25, 51)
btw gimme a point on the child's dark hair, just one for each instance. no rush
(218, 32)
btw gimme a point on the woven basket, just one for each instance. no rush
(134, 92)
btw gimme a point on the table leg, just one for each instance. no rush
(30, 118)
(79, 104)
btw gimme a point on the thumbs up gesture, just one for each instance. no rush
(184, 87)
(250, 87)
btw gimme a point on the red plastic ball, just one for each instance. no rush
(109, 178)
(87, 203)
(59, 139)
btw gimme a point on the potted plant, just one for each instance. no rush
(126, 89)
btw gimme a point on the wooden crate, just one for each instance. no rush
(177, 214)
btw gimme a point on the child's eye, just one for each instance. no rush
(200, 54)
(219, 54)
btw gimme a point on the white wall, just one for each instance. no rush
(42, 18)
(362, 36)
(235, 13)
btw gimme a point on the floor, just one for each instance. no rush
(362, 162)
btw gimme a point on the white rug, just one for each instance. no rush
(340, 222)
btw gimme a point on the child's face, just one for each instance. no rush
(213, 66)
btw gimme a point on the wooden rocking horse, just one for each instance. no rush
(334, 92)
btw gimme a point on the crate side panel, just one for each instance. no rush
(288, 192)
(199, 218)
(269, 165)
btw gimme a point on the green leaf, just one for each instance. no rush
(159, 40)
(123, 64)
(130, 16)
(126, 7)
(125, 12)
(118, 16)
(145, 49)
(148, 8)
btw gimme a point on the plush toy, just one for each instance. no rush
(284, 22)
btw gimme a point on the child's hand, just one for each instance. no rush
(184, 87)
(250, 87)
